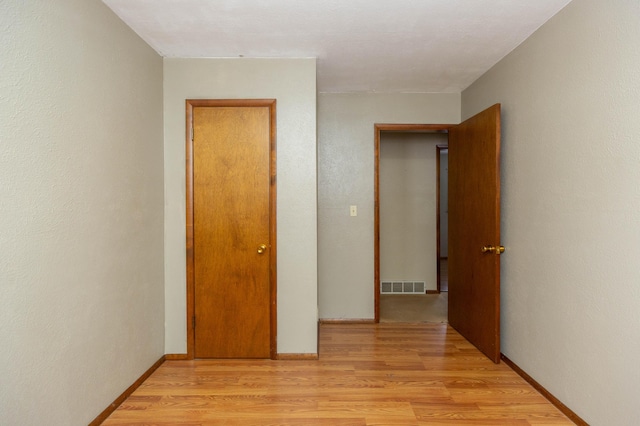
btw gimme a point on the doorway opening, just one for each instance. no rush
(413, 205)
(474, 226)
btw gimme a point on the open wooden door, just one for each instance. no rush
(474, 230)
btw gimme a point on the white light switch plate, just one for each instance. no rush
(353, 210)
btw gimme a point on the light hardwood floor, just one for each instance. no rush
(368, 374)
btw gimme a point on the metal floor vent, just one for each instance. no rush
(402, 287)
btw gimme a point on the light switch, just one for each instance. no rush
(353, 210)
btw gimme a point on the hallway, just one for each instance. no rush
(418, 307)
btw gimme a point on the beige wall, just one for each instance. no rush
(571, 206)
(345, 177)
(408, 207)
(81, 211)
(292, 82)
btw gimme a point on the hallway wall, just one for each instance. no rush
(408, 207)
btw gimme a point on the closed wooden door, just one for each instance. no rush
(233, 230)
(474, 230)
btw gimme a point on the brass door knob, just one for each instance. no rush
(493, 249)
(262, 248)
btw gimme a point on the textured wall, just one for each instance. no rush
(345, 177)
(571, 206)
(81, 275)
(292, 82)
(408, 207)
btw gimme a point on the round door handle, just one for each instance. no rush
(262, 248)
(492, 249)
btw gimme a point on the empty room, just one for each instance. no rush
(192, 222)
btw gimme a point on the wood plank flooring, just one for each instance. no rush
(368, 374)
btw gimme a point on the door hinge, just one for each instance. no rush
(193, 322)
(191, 133)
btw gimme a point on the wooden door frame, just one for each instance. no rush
(439, 149)
(378, 129)
(190, 255)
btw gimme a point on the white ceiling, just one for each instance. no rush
(361, 45)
